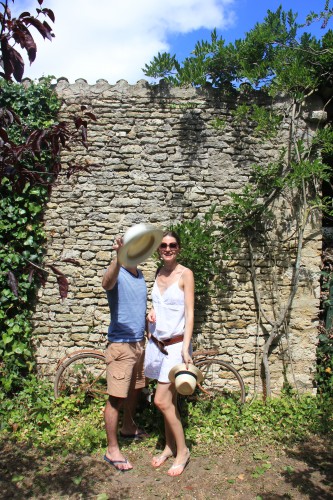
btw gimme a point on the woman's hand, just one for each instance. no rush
(151, 316)
(187, 358)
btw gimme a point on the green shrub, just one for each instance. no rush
(199, 251)
(69, 424)
(324, 373)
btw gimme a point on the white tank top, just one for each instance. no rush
(170, 311)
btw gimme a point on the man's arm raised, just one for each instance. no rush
(111, 274)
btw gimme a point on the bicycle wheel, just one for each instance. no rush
(81, 373)
(221, 380)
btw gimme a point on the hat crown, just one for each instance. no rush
(185, 379)
(139, 242)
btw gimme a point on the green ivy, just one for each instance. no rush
(324, 374)
(22, 236)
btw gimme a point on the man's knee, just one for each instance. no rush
(116, 402)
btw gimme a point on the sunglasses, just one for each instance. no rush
(172, 246)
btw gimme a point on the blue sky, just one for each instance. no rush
(113, 39)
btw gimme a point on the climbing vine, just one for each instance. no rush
(21, 228)
(32, 138)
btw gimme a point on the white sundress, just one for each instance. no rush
(170, 321)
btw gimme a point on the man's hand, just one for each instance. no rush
(111, 274)
(117, 244)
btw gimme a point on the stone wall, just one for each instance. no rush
(156, 157)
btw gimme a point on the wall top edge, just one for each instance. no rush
(122, 86)
(121, 82)
(166, 90)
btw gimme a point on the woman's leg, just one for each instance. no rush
(165, 400)
(170, 444)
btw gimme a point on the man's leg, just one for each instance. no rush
(111, 417)
(138, 380)
(129, 426)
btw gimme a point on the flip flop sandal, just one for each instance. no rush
(138, 435)
(117, 462)
(164, 458)
(173, 467)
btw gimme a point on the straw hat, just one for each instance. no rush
(185, 380)
(139, 242)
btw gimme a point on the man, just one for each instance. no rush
(127, 296)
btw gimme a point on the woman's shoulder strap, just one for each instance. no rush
(183, 270)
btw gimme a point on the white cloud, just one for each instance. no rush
(113, 39)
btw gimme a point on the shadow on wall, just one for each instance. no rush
(191, 134)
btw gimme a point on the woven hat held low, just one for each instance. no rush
(185, 380)
(139, 242)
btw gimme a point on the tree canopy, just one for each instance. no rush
(277, 56)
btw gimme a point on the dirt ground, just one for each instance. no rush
(246, 470)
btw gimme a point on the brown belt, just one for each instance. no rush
(161, 344)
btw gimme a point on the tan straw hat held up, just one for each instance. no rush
(139, 242)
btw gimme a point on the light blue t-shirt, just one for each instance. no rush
(127, 302)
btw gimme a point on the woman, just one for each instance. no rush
(170, 331)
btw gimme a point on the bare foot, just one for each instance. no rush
(160, 459)
(179, 464)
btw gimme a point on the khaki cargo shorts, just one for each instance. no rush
(124, 367)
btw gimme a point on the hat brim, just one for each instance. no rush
(181, 368)
(139, 242)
